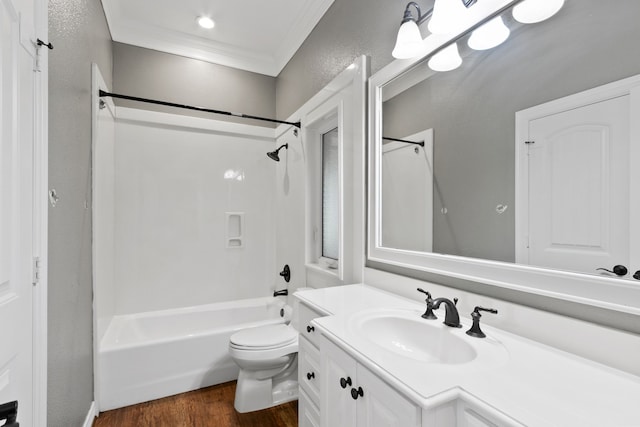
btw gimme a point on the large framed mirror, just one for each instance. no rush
(533, 181)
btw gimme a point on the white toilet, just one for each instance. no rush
(268, 361)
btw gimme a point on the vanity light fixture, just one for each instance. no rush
(409, 40)
(443, 14)
(450, 17)
(205, 22)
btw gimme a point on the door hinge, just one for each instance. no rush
(37, 68)
(36, 270)
(39, 44)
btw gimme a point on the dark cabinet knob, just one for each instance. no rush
(310, 375)
(356, 393)
(344, 382)
(618, 270)
(636, 275)
(310, 329)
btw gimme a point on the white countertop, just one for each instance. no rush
(532, 383)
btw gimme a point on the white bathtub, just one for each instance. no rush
(146, 356)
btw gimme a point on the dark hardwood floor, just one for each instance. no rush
(211, 406)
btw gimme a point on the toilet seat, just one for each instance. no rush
(264, 337)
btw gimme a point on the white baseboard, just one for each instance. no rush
(91, 415)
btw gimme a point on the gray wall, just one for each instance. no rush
(80, 35)
(151, 74)
(349, 29)
(472, 111)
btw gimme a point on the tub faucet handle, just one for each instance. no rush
(286, 273)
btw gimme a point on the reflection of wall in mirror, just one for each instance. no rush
(472, 111)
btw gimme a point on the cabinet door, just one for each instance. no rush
(381, 406)
(337, 407)
(308, 415)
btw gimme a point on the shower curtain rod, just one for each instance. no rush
(421, 143)
(102, 93)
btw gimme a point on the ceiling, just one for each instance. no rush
(253, 35)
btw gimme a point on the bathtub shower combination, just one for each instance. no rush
(183, 249)
(150, 355)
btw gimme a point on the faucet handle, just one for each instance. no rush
(475, 330)
(425, 292)
(428, 314)
(478, 309)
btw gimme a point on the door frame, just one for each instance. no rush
(40, 215)
(625, 87)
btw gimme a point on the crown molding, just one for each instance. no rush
(303, 26)
(182, 44)
(178, 43)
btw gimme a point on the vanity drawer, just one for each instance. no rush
(307, 330)
(309, 369)
(308, 413)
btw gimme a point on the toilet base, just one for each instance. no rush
(254, 393)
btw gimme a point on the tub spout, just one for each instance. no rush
(280, 293)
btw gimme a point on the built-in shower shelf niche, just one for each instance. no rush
(235, 226)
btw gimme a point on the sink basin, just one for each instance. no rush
(416, 338)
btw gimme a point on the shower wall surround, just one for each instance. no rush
(177, 178)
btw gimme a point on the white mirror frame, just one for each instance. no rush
(603, 292)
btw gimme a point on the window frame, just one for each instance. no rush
(322, 258)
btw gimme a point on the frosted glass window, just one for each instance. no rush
(330, 194)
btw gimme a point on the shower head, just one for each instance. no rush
(274, 154)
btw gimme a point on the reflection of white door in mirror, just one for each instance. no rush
(407, 192)
(575, 210)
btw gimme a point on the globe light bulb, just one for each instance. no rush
(446, 60)
(449, 17)
(532, 11)
(490, 35)
(409, 41)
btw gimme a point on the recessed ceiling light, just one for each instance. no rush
(206, 22)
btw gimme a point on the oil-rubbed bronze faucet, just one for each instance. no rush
(451, 316)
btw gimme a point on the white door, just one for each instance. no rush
(337, 407)
(579, 187)
(16, 215)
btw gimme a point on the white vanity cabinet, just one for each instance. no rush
(352, 396)
(463, 412)
(308, 368)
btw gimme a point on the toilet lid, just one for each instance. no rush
(264, 336)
